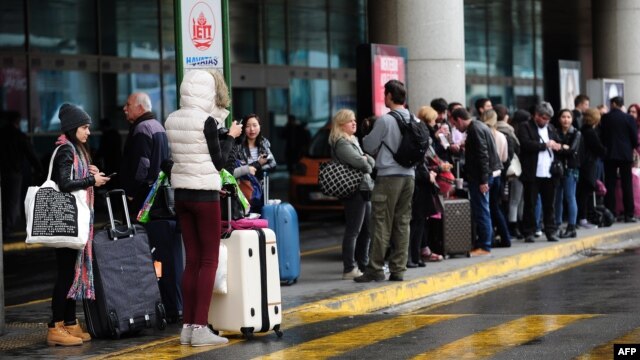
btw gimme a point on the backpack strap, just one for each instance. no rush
(396, 115)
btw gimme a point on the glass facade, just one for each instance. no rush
(95, 53)
(503, 51)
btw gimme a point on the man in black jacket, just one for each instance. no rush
(619, 135)
(481, 165)
(538, 141)
(145, 149)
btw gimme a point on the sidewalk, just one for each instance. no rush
(321, 292)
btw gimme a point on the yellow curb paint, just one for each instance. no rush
(163, 349)
(351, 339)
(20, 246)
(28, 303)
(392, 295)
(489, 342)
(605, 351)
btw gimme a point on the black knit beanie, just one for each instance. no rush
(72, 117)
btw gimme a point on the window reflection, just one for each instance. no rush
(310, 102)
(53, 88)
(13, 92)
(130, 31)
(63, 27)
(275, 42)
(12, 25)
(308, 34)
(245, 17)
(346, 31)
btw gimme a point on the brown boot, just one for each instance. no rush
(76, 331)
(58, 335)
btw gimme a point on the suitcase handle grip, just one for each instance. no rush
(114, 233)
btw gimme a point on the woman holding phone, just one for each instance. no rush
(252, 158)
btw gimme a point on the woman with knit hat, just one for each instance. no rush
(72, 170)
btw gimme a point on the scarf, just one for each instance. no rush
(82, 286)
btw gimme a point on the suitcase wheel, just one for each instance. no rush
(279, 332)
(161, 316)
(162, 324)
(247, 332)
(288, 282)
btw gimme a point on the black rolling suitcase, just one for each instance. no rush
(457, 227)
(126, 287)
(165, 240)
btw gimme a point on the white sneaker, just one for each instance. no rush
(538, 233)
(352, 274)
(587, 225)
(203, 336)
(185, 335)
(385, 269)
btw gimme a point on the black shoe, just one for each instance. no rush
(630, 219)
(552, 237)
(369, 277)
(503, 245)
(411, 265)
(395, 277)
(422, 264)
(514, 230)
(569, 232)
(530, 239)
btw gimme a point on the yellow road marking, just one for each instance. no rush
(29, 303)
(489, 342)
(322, 250)
(339, 343)
(605, 351)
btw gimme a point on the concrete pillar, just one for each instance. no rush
(616, 44)
(433, 33)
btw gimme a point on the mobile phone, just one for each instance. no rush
(112, 174)
(239, 122)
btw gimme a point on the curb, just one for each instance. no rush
(379, 298)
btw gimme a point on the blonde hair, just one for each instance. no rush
(222, 91)
(591, 117)
(490, 118)
(342, 117)
(427, 114)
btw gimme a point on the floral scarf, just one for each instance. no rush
(82, 286)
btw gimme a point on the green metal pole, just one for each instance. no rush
(226, 58)
(177, 17)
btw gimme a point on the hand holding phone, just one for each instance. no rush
(112, 175)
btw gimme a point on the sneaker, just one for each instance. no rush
(538, 233)
(351, 274)
(385, 269)
(396, 277)
(587, 225)
(479, 252)
(203, 336)
(185, 335)
(369, 277)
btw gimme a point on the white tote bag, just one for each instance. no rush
(55, 218)
(220, 284)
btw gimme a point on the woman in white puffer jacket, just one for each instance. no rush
(197, 155)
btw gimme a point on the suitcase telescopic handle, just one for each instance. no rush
(114, 233)
(265, 187)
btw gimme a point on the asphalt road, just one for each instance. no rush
(579, 313)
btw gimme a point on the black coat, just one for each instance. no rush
(480, 153)
(570, 156)
(590, 151)
(530, 147)
(63, 168)
(619, 135)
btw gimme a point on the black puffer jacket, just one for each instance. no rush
(62, 171)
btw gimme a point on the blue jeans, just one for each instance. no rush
(497, 217)
(481, 215)
(566, 191)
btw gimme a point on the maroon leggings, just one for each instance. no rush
(200, 222)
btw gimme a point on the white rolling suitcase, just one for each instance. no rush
(252, 302)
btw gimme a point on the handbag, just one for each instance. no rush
(56, 218)
(557, 169)
(338, 180)
(515, 168)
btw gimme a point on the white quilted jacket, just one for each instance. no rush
(193, 168)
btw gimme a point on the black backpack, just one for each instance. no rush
(414, 143)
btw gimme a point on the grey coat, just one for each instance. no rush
(350, 153)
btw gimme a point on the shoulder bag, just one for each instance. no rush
(56, 218)
(338, 180)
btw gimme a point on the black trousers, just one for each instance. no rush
(547, 190)
(64, 309)
(611, 168)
